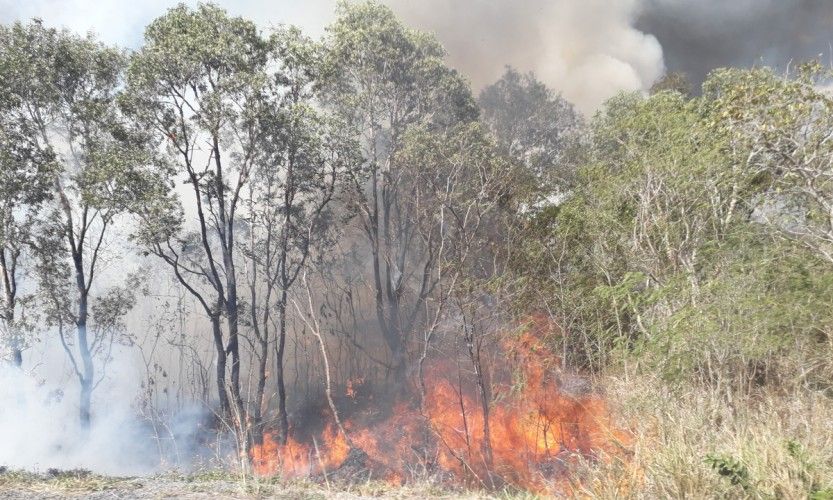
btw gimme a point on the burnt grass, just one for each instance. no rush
(78, 483)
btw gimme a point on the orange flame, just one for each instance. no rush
(296, 459)
(535, 429)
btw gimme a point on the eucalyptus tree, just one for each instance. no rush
(198, 84)
(533, 125)
(464, 202)
(303, 156)
(26, 174)
(383, 79)
(66, 88)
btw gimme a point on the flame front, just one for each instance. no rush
(535, 431)
(296, 459)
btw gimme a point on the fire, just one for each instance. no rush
(528, 435)
(296, 459)
(352, 387)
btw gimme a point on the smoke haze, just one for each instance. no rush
(586, 49)
(39, 427)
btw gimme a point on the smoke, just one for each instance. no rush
(591, 49)
(587, 49)
(40, 429)
(700, 35)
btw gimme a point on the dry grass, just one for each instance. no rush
(213, 484)
(697, 443)
(686, 443)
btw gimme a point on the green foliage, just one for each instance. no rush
(675, 82)
(373, 60)
(825, 494)
(688, 245)
(730, 468)
(71, 164)
(200, 79)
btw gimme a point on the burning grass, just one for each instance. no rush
(529, 435)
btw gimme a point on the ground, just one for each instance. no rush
(212, 484)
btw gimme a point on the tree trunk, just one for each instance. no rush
(233, 349)
(485, 398)
(14, 342)
(257, 417)
(10, 301)
(85, 403)
(225, 408)
(88, 373)
(283, 418)
(395, 340)
(17, 357)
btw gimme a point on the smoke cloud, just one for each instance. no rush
(40, 429)
(591, 49)
(586, 49)
(700, 35)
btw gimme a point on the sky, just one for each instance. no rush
(586, 49)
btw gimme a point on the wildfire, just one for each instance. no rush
(352, 387)
(528, 434)
(296, 459)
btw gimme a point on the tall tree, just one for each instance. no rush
(465, 199)
(303, 156)
(533, 125)
(384, 79)
(68, 105)
(781, 135)
(198, 85)
(26, 174)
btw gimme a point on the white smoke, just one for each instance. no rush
(40, 429)
(586, 49)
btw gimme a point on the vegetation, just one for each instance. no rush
(344, 213)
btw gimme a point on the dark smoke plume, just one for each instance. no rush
(700, 35)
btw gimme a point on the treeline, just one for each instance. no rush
(355, 184)
(271, 177)
(695, 240)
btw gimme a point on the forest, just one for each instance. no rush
(332, 262)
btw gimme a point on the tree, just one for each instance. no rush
(197, 84)
(303, 156)
(533, 125)
(629, 247)
(67, 106)
(26, 174)
(781, 130)
(674, 82)
(465, 201)
(382, 80)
